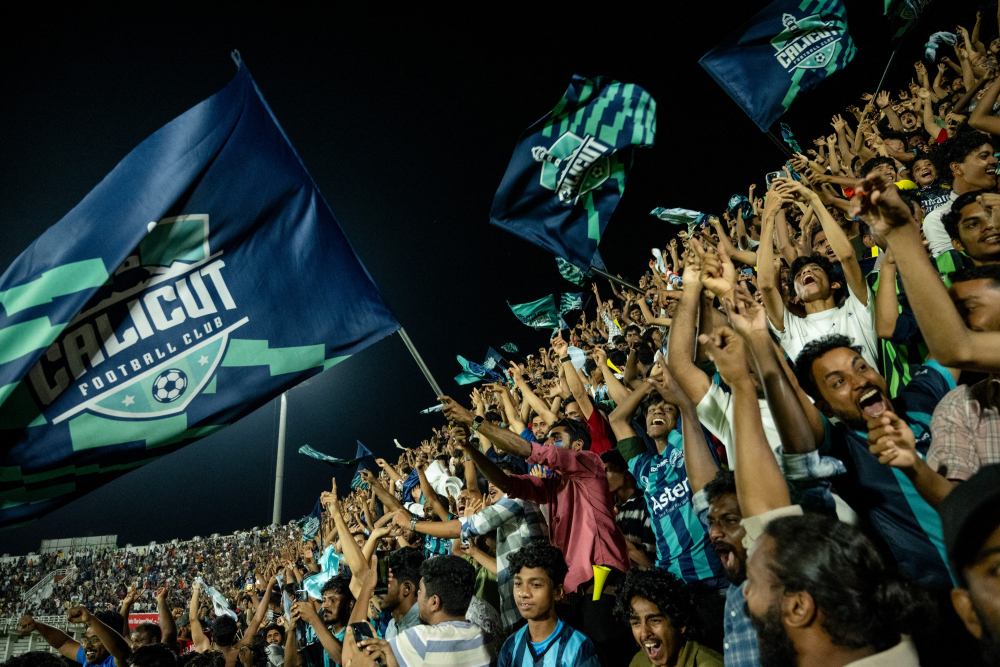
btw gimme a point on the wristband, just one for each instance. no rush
(413, 523)
(565, 359)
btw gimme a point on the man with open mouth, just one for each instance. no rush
(812, 280)
(660, 609)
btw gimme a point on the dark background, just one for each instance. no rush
(407, 123)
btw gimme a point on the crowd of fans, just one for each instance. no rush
(102, 577)
(782, 449)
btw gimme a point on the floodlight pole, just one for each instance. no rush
(279, 466)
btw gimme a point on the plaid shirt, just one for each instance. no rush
(965, 430)
(517, 522)
(740, 640)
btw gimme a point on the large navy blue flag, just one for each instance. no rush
(202, 277)
(568, 170)
(788, 47)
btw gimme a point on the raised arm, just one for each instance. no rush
(536, 403)
(621, 416)
(198, 638)
(698, 459)
(982, 117)
(683, 334)
(54, 637)
(572, 379)
(113, 642)
(950, 342)
(260, 614)
(886, 299)
(502, 439)
(389, 500)
(766, 276)
(168, 626)
(616, 390)
(760, 486)
(349, 548)
(430, 495)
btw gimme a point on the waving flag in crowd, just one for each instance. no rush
(570, 301)
(540, 314)
(569, 169)
(510, 347)
(787, 48)
(473, 372)
(201, 278)
(357, 481)
(570, 272)
(311, 522)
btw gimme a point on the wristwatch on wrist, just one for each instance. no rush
(466, 458)
(413, 522)
(563, 360)
(476, 423)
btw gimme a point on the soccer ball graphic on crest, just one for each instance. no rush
(169, 385)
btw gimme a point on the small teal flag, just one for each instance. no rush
(329, 564)
(510, 347)
(467, 376)
(570, 301)
(358, 482)
(540, 314)
(326, 458)
(311, 522)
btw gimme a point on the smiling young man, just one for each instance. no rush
(101, 646)
(660, 609)
(846, 388)
(966, 163)
(811, 279)
(539, 570)
(972, 230)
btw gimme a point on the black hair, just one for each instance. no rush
(953, 217)
(151, 629)
(618, 358)
(405, 564)
(224, 630)
(864, 230)
(590, 366)
(633, 327)
(674, 598)
(338, 584)
(863, 603)
(812, 351)
(983, 272)
(152, 655)
(36, 659)
(614, 458)
(956, 149)
(876, 161)
(576, 431)
(274, 626)
(801, 262)
(921, 155)
(910, 198)
(205, 659)
(540, 554)
(112, 619)
(635, 306)
(493, 417)
(452, 579)
(722, 484)
(508, 467)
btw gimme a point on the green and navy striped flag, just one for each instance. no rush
(570, 301)
(510, 347)
(575, 275)
(786, 49)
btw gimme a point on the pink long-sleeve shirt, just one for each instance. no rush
(581, 510)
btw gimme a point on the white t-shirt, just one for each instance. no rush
(854, 320)
(937, 238)
(715, 412)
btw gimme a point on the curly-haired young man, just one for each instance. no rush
(660, 608)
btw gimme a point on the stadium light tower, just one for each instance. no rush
(279, 467)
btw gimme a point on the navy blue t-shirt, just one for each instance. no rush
(884, 496)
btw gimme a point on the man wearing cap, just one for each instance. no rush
(970, 518)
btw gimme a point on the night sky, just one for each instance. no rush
(407, 123)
